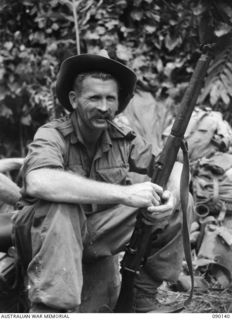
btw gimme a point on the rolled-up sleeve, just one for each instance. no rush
(141, 156)
(46, 151)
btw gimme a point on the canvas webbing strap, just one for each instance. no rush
(184, 196)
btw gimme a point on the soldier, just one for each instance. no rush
(78, 200)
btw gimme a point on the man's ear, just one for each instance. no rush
(73, 99)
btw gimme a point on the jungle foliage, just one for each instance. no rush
(160, 40)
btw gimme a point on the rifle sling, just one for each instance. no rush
(184, 196)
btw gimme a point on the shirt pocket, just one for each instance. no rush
(116, 175)
(76, 168)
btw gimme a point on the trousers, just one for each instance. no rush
(53, 240)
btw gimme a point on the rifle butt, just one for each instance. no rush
(125, 302)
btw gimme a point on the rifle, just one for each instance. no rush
(140, 242)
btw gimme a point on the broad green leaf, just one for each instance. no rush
(150, 29)
(8, 45)
(172, 42)
(123, 52)
(137, 15)
(5, 112)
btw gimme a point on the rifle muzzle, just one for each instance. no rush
(202, 210)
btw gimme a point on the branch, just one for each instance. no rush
(75, 5)
(72, 5)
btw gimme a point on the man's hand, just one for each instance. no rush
(149, 195)
(142, 195)
(165, 209)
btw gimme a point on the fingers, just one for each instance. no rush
(167, 206)
(142, 195)
(160, 215)
(157, 192)
(159, 209)
(156, 198)
(155, 201)
(155, 208)
(157, 189)
(166, 195)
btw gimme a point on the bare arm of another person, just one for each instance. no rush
(61, 186)
(9, 191)
(10, 164)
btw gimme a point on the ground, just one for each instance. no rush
(203, 301)
(211, 301)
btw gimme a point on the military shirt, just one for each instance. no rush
(59, 145)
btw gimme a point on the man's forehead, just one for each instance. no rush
(94, 79)
(92, 84)
(88, 80)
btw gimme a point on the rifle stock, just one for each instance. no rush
(138, 248)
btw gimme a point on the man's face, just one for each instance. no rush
(96, 102)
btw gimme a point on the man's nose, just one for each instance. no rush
(103, 105)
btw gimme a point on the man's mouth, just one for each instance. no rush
(103, 118)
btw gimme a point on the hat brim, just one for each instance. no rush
(75, 65)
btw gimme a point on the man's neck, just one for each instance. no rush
(90, 137)
(87, 135)
(90, 140)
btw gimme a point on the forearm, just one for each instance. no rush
(9, 164)
(9, 191)
(62, 186)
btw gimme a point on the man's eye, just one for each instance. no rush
(94, 98)
(111, 99)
